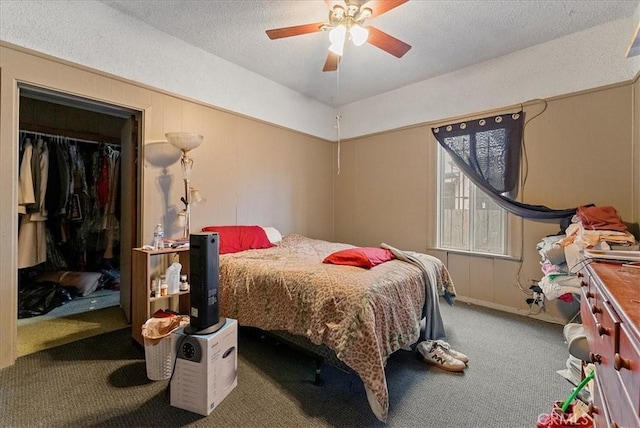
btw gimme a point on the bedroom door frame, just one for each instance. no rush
(130, 171)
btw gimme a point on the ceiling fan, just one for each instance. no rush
(346, 23)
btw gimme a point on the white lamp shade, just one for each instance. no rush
(337, 48)
(181, 220)
(196, 197)
(184, 141)
(337, 34)
(359, 35)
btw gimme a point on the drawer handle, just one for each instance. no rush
(602, 331)
(593, 410)
(590, 295)
(583, 284)
(596, 310)
(595, 358)
(580, 274)
(620, 363)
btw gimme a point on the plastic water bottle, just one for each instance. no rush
(158, 236)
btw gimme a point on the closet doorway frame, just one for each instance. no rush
(130, 171)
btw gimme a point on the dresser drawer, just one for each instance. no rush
(588, 319)
(599, 410)
(604, 346)
(602, 326)
(627, 364)
(620, 415)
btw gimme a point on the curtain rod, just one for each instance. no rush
(79, 140)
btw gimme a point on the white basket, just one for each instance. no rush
(159, 356)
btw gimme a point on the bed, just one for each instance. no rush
(363, 315)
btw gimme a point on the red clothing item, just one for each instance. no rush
(600, 218)
(566, 297)
(103, 183)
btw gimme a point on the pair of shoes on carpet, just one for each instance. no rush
(439, 353)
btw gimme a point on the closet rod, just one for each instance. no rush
(79, 140)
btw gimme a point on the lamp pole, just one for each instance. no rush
(185, 141)
(187, 165)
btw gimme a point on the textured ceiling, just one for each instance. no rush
(444, 35)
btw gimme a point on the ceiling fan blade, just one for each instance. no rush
(387, 43)
(331, 64)
(378, 7)
(296, 30)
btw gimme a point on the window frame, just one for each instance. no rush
(507, 220)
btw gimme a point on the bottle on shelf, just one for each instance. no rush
(155, 288)
(158, 237)
(184, 285)
(164, 288)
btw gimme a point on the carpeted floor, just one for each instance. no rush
(101, 382)
(81, 318)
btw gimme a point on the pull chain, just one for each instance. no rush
(338, 116)
(338, 131)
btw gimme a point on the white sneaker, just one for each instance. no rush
(433, 353)
(455, 354)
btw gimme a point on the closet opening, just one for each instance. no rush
(78, 217)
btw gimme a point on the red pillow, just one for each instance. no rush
(240, 238)
(364, 257)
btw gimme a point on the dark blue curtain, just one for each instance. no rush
(488, 151)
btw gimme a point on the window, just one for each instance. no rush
(469, 220)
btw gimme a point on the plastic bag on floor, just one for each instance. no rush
(40, 298)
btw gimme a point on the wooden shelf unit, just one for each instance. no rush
(146, 265)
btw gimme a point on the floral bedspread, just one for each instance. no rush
(362, 315)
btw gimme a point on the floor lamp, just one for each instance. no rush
(185, 141)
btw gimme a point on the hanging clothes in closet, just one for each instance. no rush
(68, 203)
(107, 162)
(34, 171)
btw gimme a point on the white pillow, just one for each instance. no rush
(273, 234)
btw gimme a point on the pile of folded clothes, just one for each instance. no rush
(597, 228)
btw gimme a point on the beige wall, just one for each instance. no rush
(250, 172)
(579, 151)
(382, 193)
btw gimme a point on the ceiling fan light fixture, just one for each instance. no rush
(363, 14)
(359, 35)
(347, 22)
(337, 48)
(336, 14)
(337, 34)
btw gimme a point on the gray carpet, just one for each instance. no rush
(101, 382)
